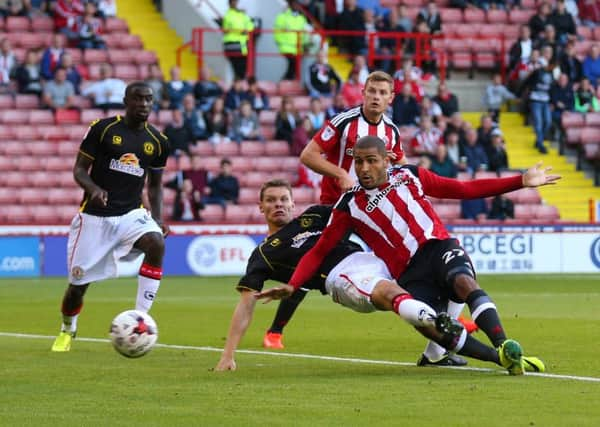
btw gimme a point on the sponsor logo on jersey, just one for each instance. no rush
(328, 133)
(148, 148)
(128, 163)
(117, 140)
(275, 242)
(380, 196)
(299, 239)
(305, 222)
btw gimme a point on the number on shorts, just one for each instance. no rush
(451, 254)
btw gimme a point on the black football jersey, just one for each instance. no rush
(121, 158)
(277, 256)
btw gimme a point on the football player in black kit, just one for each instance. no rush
(117, 158)
(277, 256)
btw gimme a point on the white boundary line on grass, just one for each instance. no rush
(309, 356)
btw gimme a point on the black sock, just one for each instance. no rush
(485, 315)
(286, 310)
(478, 350)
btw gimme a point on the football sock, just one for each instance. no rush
(434, 351)
(286, 310)
(69, 319)
(417, 313)
(148, 283)
(478, 350)
(455, 308)
(485, 315)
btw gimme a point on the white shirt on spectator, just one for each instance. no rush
(106, 91)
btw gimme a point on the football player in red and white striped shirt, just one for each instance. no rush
(330, 151)
(392, 215)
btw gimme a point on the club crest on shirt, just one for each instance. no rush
(77, 272)
(305, 222)
(328, 133)
(275, 242)
(148, 148)
(117, 140)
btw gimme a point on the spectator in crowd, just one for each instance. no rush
(570, 64)
(457, 124)
(351, 19)
(562, 98)
(432, 109)
(497, 157)
(520, 51)
(107, 8)
(454, 151)
(224, 188)
(360, 64)
(337, 106)
(157, 83)
(175, 89)
(108, 92)
(28, 75)
(538, 22)
(8, 65)
(375, 28)
(206, 90)
(307, 177)
(193, 118)
(74, 75)
(476, 158)
(244, 125)
(549, 40)
(523, 70)
(442, 164)
(400, 20)
(424, 162)
(235, 95)
(188, 202)
(179, 134)
(405, 108)
(301, 136)
(475, 209)
(352, 89)
(256, 96)
(427, 137)
(322, 80)
(484, 132)
(65, 14)
(89, 29)
(237, 27)
(217, 122)
(496, 94)
(591, 65)
(428, 62)
(51, 56)
(539, 84)
(589, 11)
(413, 76)
(59, 93)
(585, 98)
(289, 26)
(447, 101)
(316, 114)
(431, 16)
(548, 58)
(287, 119)
(563, 23)
(502, 208)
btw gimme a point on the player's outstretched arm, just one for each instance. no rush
(242, 316)
(537, 176)
(276, 293)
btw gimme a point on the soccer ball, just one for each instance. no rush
(133, 333)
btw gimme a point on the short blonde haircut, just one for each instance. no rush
(380, 76)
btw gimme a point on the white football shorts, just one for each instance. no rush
(100, 247)
(352, 281)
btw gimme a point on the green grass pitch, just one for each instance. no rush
(555, 317)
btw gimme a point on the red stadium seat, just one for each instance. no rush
(27, 163)
(239, 214)
(42, 179)
(268, 86)
(518, 16)
(546, 212)
(592, 119)
(41, 117)
(126, 72)
(7, 196)
(573, 136)
(248, 196)
(63, 196)
(89, 115)
(145, 57)
(275, 103)
(165, 117)
(17, 24)
(6, 101)
(303, 195)
(27, 102)
(497, 16)
(212, 213)
(33, 40)
(65, 213)
(291, 87)
(53, 132)
(474, 16)
(67, 149)
(524, 212)
(585, 32)
(265, 164)
(95, 56)
(589, 135)
(202, 148)
(65, 179)
(451, 15)
(596, 33)
(276, 147)
(569, 119)
(115, 25)
(16, 214)
(289, 163)
(252, 148)
(33, 196)
(13, 148)
(267, 132)
(14, 117)
(227, 149)
(57, 164)
(14, 179)
(121, 56)
(26, 133)
(40, 148)
(266, 117)
(42, 24)
(211, 164)
(241, 164)
(130, 41)
(254, 179)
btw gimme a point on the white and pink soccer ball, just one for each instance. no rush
(133, 333)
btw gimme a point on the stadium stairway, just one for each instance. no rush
(340, 64)
(156, 34)
(571, 196)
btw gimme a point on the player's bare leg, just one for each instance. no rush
(71, 307)
(153, 246)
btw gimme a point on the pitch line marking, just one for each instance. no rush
(310, 356)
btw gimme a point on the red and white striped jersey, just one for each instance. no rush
(427, 141)
(396, 219)
(338, 137)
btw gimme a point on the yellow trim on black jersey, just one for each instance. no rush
(86, 155)
(242, 287)
(83, 204)
(155, 138)
(117, 120)
(263, 255)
